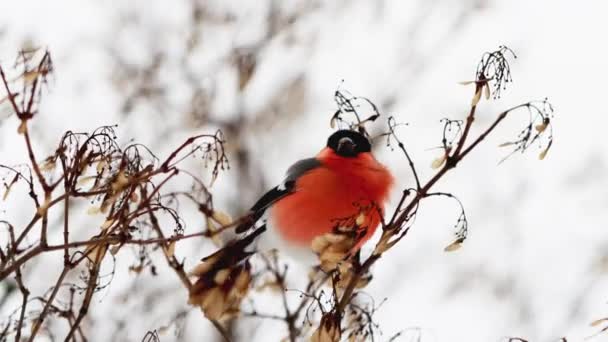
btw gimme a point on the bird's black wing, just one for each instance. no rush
(287, 187)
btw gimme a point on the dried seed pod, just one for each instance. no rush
(335, 238)
(107, 224)
(222, 218)
(213, 303)
(541, 127)
(454, 245)
(120, 182)
(219, 292)
(477, 97)
(439, 161)
(221, 276)
(319, 243)
(328, 330)
(204, 266)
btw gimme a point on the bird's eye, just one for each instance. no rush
(346, 147)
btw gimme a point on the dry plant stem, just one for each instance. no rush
(47, 306)
(92, 284)
(179, 268)
(223, 333)
(30, 153)
(66, 231)
(9, 93)
(171, 260)
(407, 155)
(4, 272)
(25, 293)
(422, 193)
(108, 239)
(469, 123)
(280, 279)
(37, 216)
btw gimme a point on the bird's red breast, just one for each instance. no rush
(339, 189)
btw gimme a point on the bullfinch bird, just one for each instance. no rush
(342, 183)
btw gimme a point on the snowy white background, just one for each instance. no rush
(536, 260)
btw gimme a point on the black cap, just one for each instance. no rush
(347, 143)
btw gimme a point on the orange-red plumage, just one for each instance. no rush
(340, 188)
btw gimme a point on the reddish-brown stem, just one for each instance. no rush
(47, 306)
(25, 293)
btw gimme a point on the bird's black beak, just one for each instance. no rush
(346, 147)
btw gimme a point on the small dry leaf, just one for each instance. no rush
(335, 238)
(476, 98)
(438, 162)
(505, 144)
(383, 245)
(9, 187)
(163, 330)
(30, 76)
(599, 321)
(101, 165)
(120, 182)
(94, 210)
(453, 246)
(84, 180)
(107, 224)
(466, 82)
(541, 127)
(170, 251)
(114, 250)
(97, 252)
(22, 127)
(269, 285)
(84, 167)
(6, 193)
(213, 303)
(222, 218)
(319, 243)
(543, 154)
(213, 230)
(136, 269)
(328, 331)
(204, 266)
(360, 219)
(221, 276)
(49, 165)
(331, 256)
(243, 280)
(108, 203)
(34, 327)
(240, 287)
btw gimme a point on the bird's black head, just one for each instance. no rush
(347, 143)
